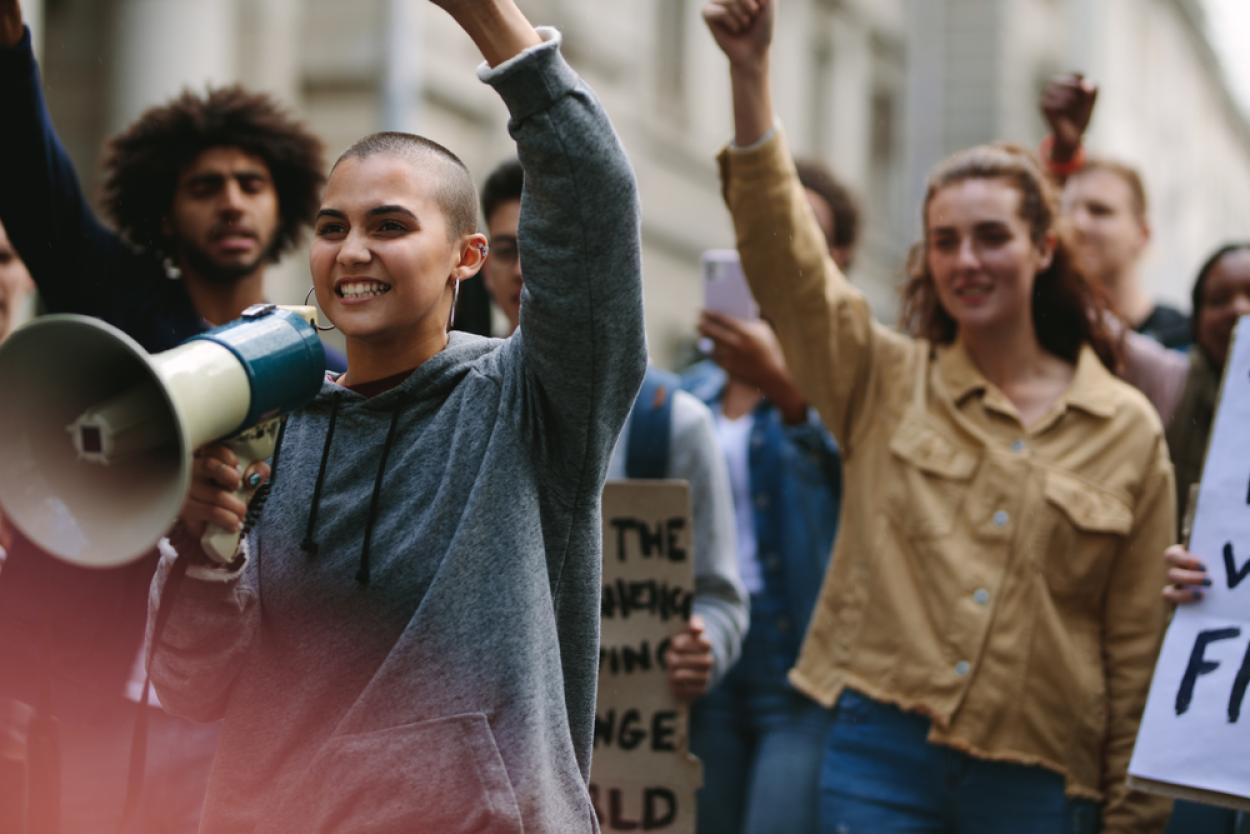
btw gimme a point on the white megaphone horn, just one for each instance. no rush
(97, 435)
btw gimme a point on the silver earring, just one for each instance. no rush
(172, 272)
(455, 297)
(311, 290)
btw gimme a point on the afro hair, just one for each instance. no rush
(143, 163)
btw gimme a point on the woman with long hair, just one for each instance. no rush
(986, 633)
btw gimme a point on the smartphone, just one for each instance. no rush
(725, 288)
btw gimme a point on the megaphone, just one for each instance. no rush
(97, 435)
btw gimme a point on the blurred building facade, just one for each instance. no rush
(878, 89)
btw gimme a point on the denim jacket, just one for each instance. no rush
(796, 483)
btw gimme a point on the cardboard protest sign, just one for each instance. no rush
(1195, 730)
(642, 777)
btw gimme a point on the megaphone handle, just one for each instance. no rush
(255, 444)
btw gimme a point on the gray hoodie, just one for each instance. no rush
(426, 661)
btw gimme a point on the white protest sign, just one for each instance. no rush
(642, 777)
(1195, 730)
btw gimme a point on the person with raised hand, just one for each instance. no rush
(987, 629)
(1105, 202)
(408, 639)
(202, 194)
(760, 741)
(1067, 103)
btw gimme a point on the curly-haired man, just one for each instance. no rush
(204, 189)
(207, 190)
(217, 186)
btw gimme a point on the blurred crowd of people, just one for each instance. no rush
(929, 560)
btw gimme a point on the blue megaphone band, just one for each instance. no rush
(283, 358)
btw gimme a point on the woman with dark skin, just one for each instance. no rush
(1221, 295)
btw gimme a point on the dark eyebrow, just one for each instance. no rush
(390, 209)
(335, 213)
(203, 177)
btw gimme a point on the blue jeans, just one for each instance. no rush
(881, 775)
(759, 739)
(1195, 818)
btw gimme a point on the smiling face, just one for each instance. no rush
(1225, 298)
(224, 215)
(981, 255)
(383, 260)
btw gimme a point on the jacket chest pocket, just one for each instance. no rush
(930, 481)
(1087, 525)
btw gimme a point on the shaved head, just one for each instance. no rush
(453, 186)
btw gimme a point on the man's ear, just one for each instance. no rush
(473, 250)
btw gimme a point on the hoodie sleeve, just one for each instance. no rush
(581, 341)
(64, 246)
(209, 629)
(719, 597)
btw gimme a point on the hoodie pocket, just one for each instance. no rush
(444, 776)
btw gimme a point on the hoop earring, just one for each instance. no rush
(311, 290)
(455, 298)
(172, 272)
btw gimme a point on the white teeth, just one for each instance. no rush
(362, 289)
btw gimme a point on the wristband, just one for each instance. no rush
(1060, 169)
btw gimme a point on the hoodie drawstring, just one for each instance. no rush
(362, 575)
(309, 545)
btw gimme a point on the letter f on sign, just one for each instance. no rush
(1200, 666)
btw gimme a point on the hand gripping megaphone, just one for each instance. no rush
(97, 435)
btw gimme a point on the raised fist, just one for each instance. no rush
(1067, 103)
(743, 29)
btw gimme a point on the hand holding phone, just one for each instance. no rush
(725, 288)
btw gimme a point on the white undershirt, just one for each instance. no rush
(735, 442)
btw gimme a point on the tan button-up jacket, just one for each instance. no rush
(1003, 580)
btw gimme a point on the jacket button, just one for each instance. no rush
(962, 667)
(1001, 518)
(761, 501)
(981, 596)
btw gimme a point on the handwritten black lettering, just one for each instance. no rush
(659, 809)
(661, 539)
(663, 730)
(673, 528)
(1235, 574)
(628, 730)
(629, 659)
(1198, 665)
(1239, 688)
(646, 596)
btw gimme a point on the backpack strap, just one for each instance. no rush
(651, 426)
